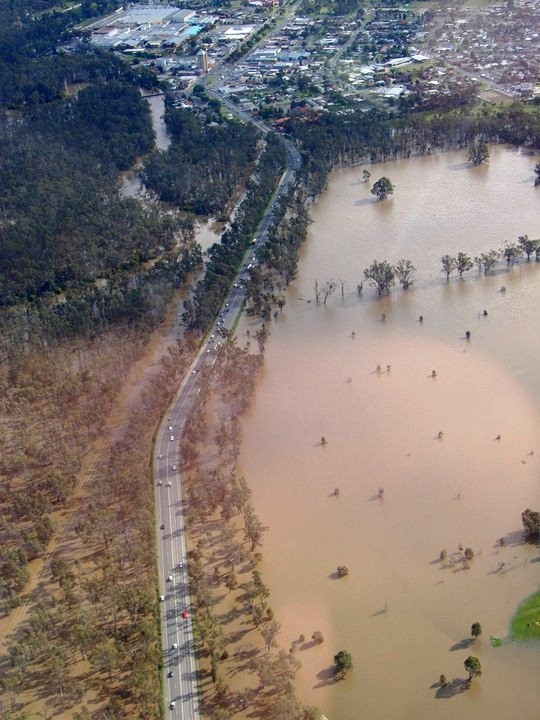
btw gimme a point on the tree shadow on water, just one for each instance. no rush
(326, 677)
(455, 687)
(462, 644)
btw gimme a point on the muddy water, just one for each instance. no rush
(401, 613)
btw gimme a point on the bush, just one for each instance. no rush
(342, 571)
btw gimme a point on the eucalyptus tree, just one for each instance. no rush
(473, 666)
(449, 264)
(511, 254)
(527, 245)
(380, 274)
(404, 270)
(478, 153)
(463, 263)
(489, 260)
(382, 188)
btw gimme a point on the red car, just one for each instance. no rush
(184, 614)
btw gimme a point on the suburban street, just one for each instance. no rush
(179, 661)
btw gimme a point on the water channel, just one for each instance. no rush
(404, 616)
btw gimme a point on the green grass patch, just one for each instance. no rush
(526, 622)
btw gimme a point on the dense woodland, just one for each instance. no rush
(204, 164)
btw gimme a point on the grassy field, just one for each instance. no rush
(526, 621)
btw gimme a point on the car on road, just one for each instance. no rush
(174, 467)
(174, 646)
(172, 705)
(169, 484)
(162, 526)
(170, 673)
(159, 482)
(170, 427)
(162, 598)
(172, 438)
(184, 614)
(169, 578)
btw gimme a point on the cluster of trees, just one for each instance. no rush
(511, 252)
(203, 166)
(101, 608)
(377, 135)
(224, 258)
(382, 275)
(278, 258)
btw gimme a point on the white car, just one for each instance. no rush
(174, 467)
(169, 578)
(172, 438)
(175, 646)
(169, 484)
(159, 482)
(170, 427)
(172, 705)
(162, 598)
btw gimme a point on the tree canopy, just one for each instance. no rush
(382, 188)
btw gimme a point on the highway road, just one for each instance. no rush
(179, 663)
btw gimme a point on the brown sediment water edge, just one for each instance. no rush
(430, 441)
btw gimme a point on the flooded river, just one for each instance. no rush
(403, 615)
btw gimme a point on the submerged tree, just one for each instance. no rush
(404, 270)
(476, 630)
(537, 173)
(528, 246)
(531, 524)
(489, 260)
(448, 265)
(463, 263)
(343, 661)
(381, 275)
(511, 254)
(478, 153)
(366, 175)
(382, 188)
(473, 667)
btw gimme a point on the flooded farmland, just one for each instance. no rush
(429, 441)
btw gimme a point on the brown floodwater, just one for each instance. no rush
(401, 613)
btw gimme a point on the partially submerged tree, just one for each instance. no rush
(381, 275)
(366, 175)
(463, 263)
(404, 270)
(342, 571)
(528, 246)
(448, 265)
(343, 661)
(476, 630)
(489, 260)
(511, 254)
(478, 153)
(473, 667)
(382, 188)
(531, 525)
